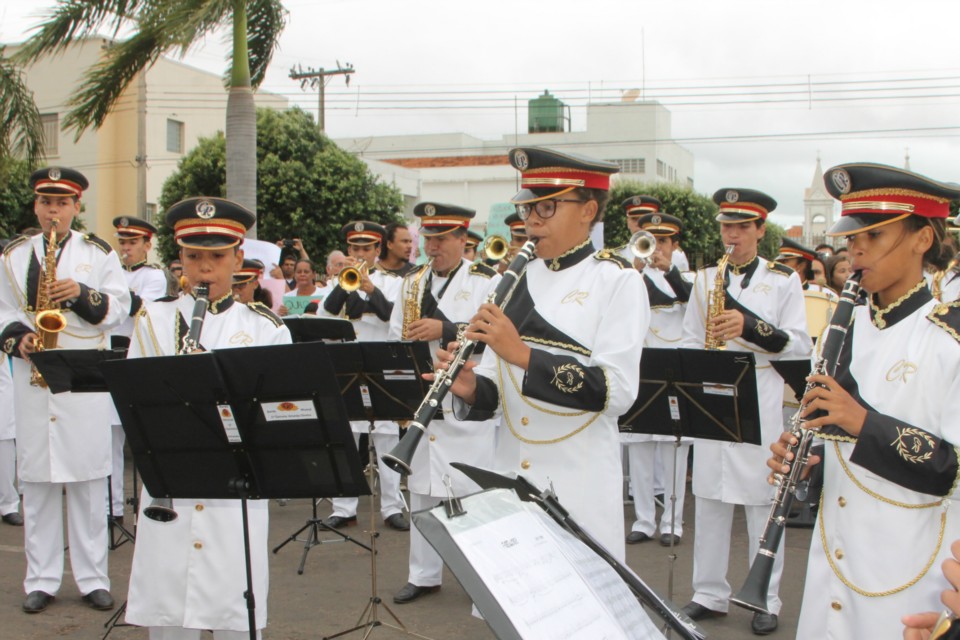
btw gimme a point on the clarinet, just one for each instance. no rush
(753, 594)
(402, 455)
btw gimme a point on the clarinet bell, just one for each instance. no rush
(161, 510)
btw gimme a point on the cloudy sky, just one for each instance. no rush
(757, 88)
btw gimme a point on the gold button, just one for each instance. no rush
(199, 507)
(524, 421)
(525, 464)
(198, 545)
(839, 554)
(842, 501)
(836, 605)
(53, 418)
(433, 438)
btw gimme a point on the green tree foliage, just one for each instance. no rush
(701, 232)
(16, 198)
(307, 187)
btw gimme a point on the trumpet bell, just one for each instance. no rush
(349, 279)
(495, 248)
(642, 244)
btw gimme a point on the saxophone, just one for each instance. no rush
(49, 320)
(411, 301)
(716, 301)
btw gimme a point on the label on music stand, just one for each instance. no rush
(289, 410)
(719, 389)
(400, 374)
(365, 396)
(229, 423)
(674, 407)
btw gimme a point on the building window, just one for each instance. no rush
(174, 136)
(152, 213)
(51, 133)
(661, 169)
(631, 165)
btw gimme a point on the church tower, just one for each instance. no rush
(817, 209)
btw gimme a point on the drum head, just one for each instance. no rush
(820, 308)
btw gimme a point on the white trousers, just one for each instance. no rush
(643, 459)
(391, 501)
(426, 566)
(179, 633)
(711, 553)
(117, 438)
(9, 496)
(86, 528)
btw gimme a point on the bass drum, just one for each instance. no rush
(820, 308)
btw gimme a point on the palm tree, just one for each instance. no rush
(21, 132)
(161, 27)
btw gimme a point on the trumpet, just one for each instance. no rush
(642, 244)
(350, 277)
(495, 248)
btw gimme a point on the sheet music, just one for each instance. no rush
(548, 583)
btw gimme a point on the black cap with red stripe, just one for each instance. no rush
(743, 205)
(130, 227)
(209, 223)
(546, 173)
(437, 218)
(362, 233)
(58, 181)
(793, 249)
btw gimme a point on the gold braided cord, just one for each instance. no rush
(525, 440)
(877, 318)
(873, 494)
(869, 193)
(889, 592)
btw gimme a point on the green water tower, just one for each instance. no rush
(545, 114)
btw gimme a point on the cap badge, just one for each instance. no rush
(54, 174)
(124, 222)
(732, 196)
(520, 159)
(656, 219)
(841, 180)
(206, 209)
(430, 210)
(358, 226)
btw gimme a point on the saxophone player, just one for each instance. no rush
(764, 314)
(435, 302)
(63, 440)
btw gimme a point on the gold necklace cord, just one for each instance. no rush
(888, 592)
(878, 317)
(506, 417)
(873, 494)
(516, 387)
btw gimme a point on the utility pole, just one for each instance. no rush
(318, 78)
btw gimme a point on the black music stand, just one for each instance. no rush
(379, 381)
(238, 424)
(313, 329)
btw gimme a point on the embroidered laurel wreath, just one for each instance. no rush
(563, 378)
(914, 445)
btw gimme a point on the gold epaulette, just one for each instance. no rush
(99, 243)
(946, 315)
(609, 256)
(778, 267)
(265, 311)
(481, 269)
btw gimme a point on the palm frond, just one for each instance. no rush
(265, 22)
(72, 20)
(187, 21)
(21, 131)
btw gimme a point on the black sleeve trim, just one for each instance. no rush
(378, 303)
(11, 336)
(485, 405)
(335, 300)
(906, 455)
(449, 334)
(91, 305)
(562, 380)
(135, 303)
(759, 332)
(680, 286)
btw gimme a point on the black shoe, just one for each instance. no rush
(666, 538)
(764, 623)
(411, 592)
(636, 537)
(339, 522)
(398, 522)
(696, 611)
(13, 519)
(99, 599)
(36, 601)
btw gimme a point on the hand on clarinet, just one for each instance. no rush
(465, 385)
(839, 406)
(919, 626)
(492, 327)
(779, 462)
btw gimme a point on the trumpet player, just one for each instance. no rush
(763, 313)
(63, 440)
(667, 294)
(365, 293)
(474, 240)
(436, 301)
(518, 236)
(184, 571)
(891, 423)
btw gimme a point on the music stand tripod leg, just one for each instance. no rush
(314, 524)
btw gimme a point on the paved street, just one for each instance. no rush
(335, 587)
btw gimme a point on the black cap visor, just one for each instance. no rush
(859, 222)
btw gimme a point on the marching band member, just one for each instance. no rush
(800, 259)
(890, 463)
(667, 293)
(63, 440)
(369, 307)
(474, 240)
(435, 301)
(563, 358)
(764, 315)
(184, 571)
(518, 236)
(146, 282)
(246, 284)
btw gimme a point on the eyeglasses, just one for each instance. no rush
(544, 208)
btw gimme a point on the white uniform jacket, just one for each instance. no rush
(190, 572)
(146, 282)
(370, 316)
(63, 437)
(8, 423)
(584, 315)
(775, 327)
(453, 300)
(884, 523)
(667, 293)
